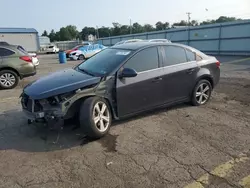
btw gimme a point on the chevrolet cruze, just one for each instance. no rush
(122, 81)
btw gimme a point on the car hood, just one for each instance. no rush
(58, 83)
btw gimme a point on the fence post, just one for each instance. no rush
(165, 34)
(219, 44)
(188, 35)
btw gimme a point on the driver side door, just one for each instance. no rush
(141, 92)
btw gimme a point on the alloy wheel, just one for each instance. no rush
(101, 116)
(202, 93)
(7, 80)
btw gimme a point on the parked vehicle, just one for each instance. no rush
(77, 48)
(86, 52)
(122, 81)
(52, 49)
(159, 40)
(128, 41)
(15, 64)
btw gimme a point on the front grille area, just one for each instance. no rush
(30, 104)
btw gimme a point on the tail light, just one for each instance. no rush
(26, 58)
(218, 64)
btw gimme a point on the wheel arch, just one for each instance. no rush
(74, 108)
(11, 69)
(206, 77)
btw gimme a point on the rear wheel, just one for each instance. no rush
(202, 93)
(95, 117)
(81, 57)
(8, 79)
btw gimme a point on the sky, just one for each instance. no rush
(54, 14)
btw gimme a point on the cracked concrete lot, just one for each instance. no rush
(182, 146)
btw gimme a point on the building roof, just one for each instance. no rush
(17, 30)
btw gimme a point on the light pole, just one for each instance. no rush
(188, 13)
(97, 32)
(130, 23)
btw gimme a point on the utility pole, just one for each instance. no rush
(130, 23)
(97, 32)
(189, 18)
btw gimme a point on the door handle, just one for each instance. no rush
(158, 79)
(190, 71)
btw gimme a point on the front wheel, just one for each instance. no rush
(8, 79)
(95, 117)
(81, 57)
(201, 93)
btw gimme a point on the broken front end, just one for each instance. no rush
(52, 110)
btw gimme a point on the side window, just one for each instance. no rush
(198, 58)
(190, 55)
(144, 60)
(5, 52)
(174, 55)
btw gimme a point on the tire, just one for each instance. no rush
(12, 78)
(88, 111)
(201, 95)
(81, 57)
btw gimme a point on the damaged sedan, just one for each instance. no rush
(119, 82)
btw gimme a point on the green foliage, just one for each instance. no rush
(45, 33)
(70, 32)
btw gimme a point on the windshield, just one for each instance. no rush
(104, 62)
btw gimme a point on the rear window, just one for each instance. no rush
(51, 46)
(22, 50)
(6, 52)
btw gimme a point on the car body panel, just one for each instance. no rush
(58, 83)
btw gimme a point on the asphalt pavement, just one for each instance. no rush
(179, 146)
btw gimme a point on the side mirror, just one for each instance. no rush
(127, 73)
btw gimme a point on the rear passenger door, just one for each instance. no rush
(179, 67)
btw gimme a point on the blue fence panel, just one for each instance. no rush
(206, 33)
(210, 45)
(226, 38)
(115, 40)
(178, 36)
(156, 35)
(235, 31)
(236, 45)
(143, 37)
(127, 38)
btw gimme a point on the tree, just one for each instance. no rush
(73, 33)
(52, 36)
(148, 28)
(181, 23)
(194, 23)
(221, 19)
(45, 33)
(64, 34)
(137, 28)
(104, 32)
(161, 26)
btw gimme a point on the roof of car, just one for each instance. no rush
(143, 44)
(140, 45)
